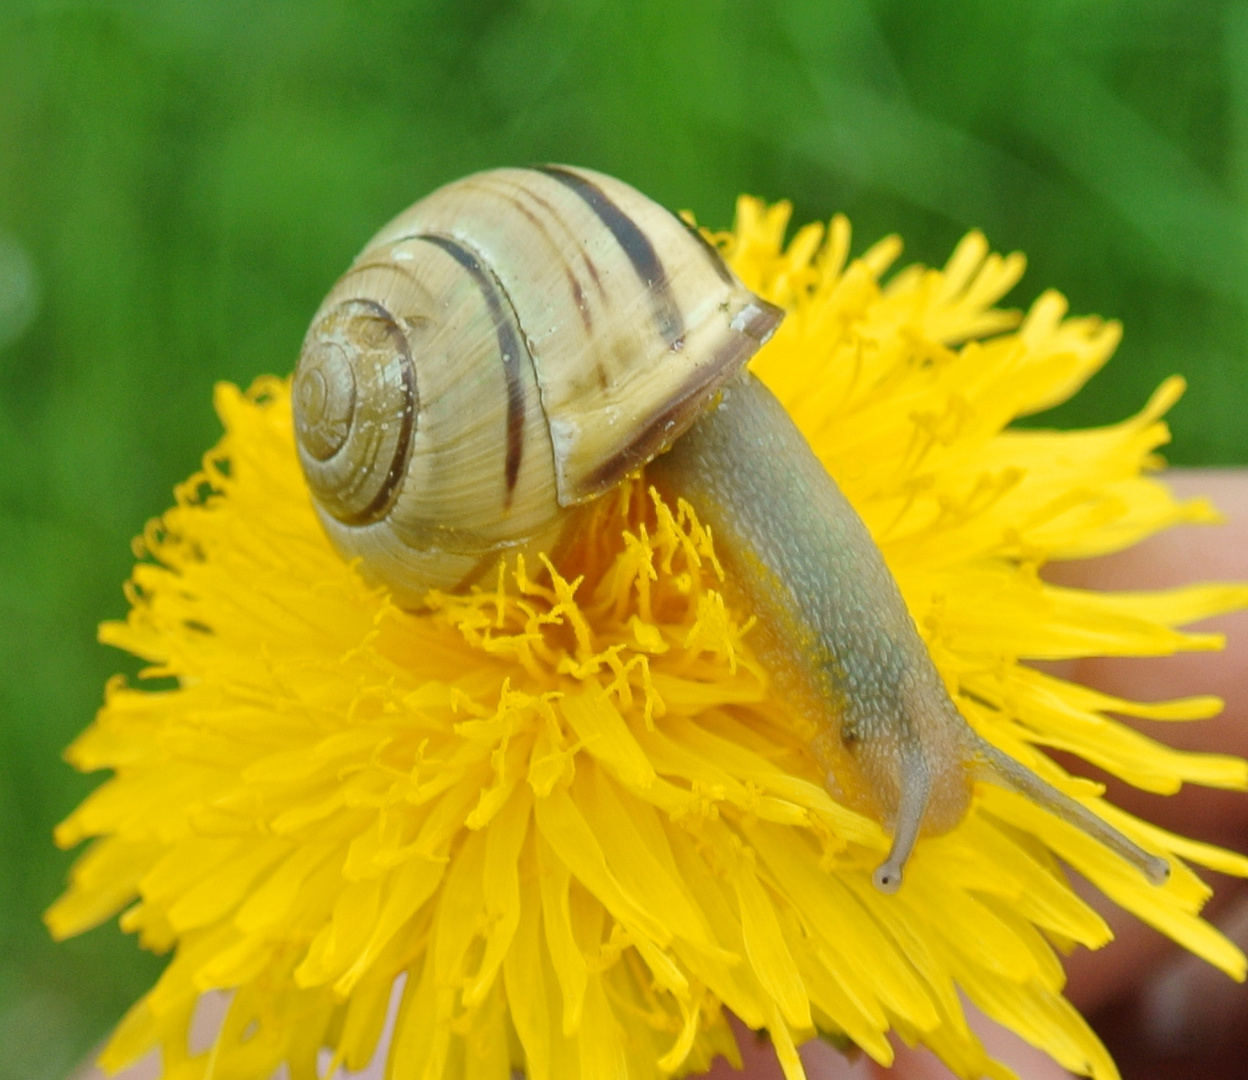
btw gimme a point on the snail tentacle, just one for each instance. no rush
(1007, 772)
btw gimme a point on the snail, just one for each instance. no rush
(518, 342)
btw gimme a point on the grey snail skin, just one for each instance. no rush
(520, 341)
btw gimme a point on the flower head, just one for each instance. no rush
(566, 813)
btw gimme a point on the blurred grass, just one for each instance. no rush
(181, 181)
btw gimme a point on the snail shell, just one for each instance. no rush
(510, 346)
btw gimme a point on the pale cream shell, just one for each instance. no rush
(553, 328)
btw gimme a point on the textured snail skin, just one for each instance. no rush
(515, 344)
(835, 632)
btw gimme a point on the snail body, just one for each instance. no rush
(519, 341)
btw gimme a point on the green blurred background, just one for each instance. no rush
(181, 181)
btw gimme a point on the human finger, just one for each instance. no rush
(1151, 998)
(1183, 555)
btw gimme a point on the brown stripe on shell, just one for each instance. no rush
(393, 266)
(752, 326)
(578, 298)
(712, 254)
(510, 346)
(578, 294)
(577, 245)
(758, 320)
(489, 561)
(390, 486)
(635, 245)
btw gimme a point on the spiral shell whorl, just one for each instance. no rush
(355, 404)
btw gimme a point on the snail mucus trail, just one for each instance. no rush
(517, 343)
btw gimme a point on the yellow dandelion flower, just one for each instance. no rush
(567, 814)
